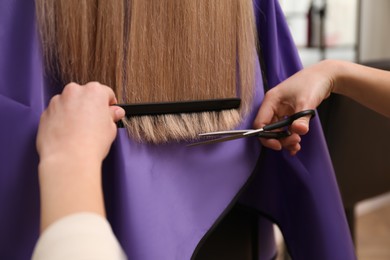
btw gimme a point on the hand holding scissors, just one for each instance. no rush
(264, 132)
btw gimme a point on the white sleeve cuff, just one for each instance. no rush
(78, 236)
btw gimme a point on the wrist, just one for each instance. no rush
(66, 159)
(66, 166)
(338, 72)
(68, 185)
(331, 69)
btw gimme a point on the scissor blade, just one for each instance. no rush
(253, 132)
(218, 140)
(229, 132)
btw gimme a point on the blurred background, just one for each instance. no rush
(358, 139)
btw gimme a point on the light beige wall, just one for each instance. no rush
(341, 22)
(375, 30)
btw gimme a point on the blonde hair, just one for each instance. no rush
(156, 51)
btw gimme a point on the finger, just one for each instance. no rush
(265, 114)
(294, 149)
(271, 143)
(70, 86)
(292, 144)
(271, 110)
(70, 89)
(111, 96)
(290, 141)
(108, 92)
(117, 113)
(54, 102)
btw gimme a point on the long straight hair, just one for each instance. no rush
(156, 51)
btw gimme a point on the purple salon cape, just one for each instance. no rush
(162, 200)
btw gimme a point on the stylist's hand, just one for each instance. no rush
(79, 123)
(304, 90)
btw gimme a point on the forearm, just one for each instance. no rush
(368, 86)
(69, 186)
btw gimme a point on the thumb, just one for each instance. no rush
(301, 125)
(117, 113)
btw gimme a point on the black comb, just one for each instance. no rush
(163, 108)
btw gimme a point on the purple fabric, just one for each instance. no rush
(298, 193)
(162, 200)
(20, 106)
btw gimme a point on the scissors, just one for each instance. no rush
(264, 132)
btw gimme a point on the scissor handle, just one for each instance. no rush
(289, 120)
(274, 135)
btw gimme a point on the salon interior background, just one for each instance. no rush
(353, 29)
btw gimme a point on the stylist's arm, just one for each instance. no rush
(309, 87)
(74, 136)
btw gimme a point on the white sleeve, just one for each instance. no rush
(78, 236)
